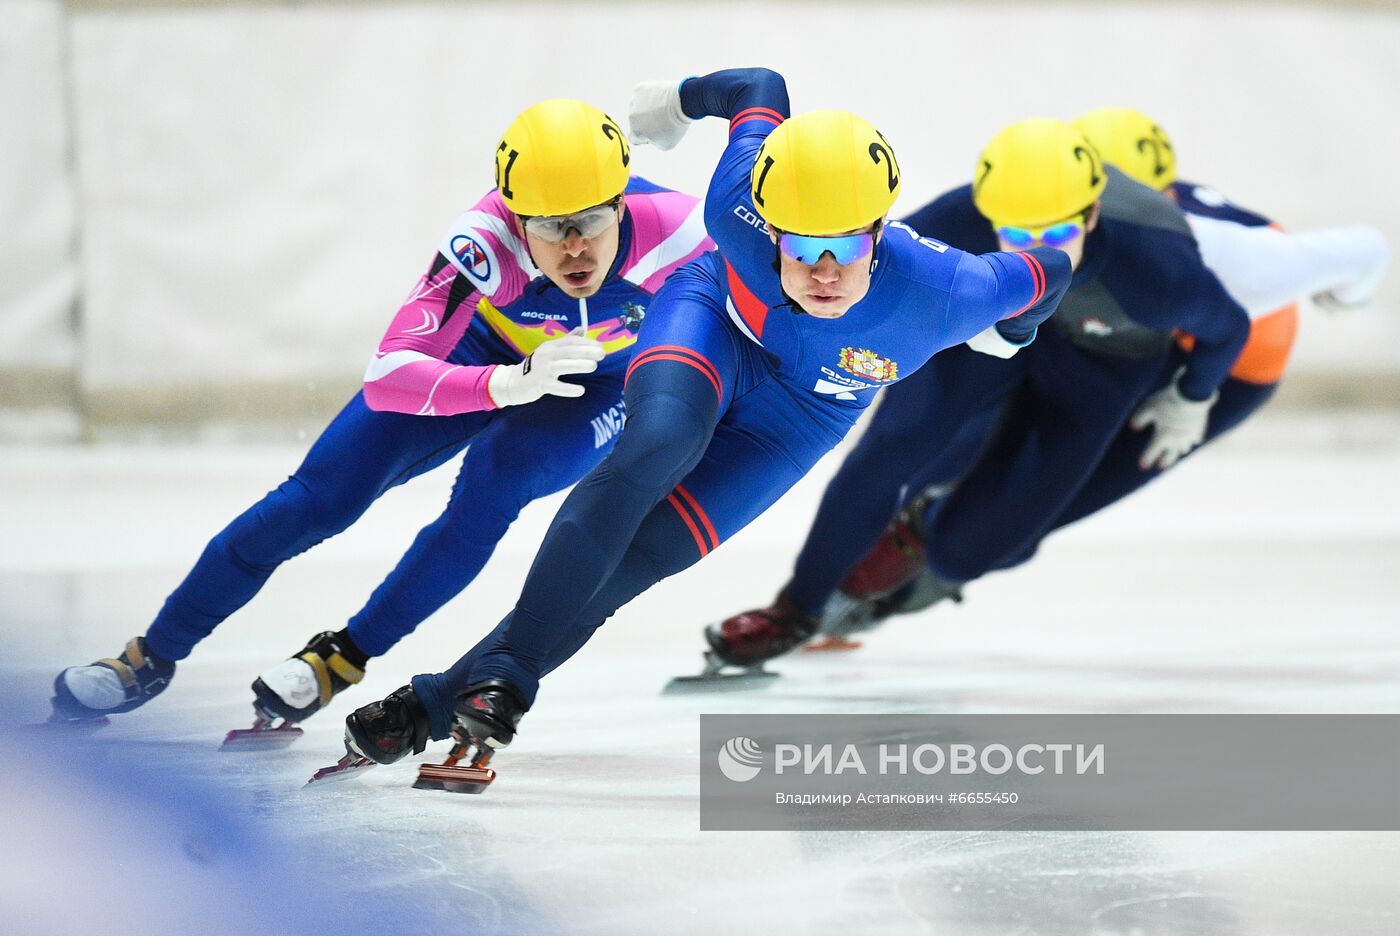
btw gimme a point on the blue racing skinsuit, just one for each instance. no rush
(732, 395)
(1021, 437)
(1241, 394)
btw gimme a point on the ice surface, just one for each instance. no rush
(1263, 576)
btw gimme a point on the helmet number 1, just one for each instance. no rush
(503, 175)
(762, 177)
(982, 171)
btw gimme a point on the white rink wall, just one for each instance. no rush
(258, 185)
(38, 219)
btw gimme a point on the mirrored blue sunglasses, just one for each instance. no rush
(844, 248)
(1052, 235)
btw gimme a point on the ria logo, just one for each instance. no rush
(740, 759)
(473, 257)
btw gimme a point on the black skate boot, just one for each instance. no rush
(386, 731)
(380, 733)
(297, 688)
(487, 714)
(110, 686)
(484, 720)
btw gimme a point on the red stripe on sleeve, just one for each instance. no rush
(1037, 277)
(1039, 274)
(755, 113)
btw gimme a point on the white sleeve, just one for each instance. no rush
(1264, 268)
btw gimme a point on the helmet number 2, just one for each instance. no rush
(891, 168)
(1081, 154)
(609, 129)
(503, 175)
(1157, 142)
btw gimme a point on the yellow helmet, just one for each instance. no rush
(561, 156)
(824, 172)
(1133, 142)
(1037, 172)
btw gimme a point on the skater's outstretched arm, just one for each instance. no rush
(662, 111)
(1013, 292)
(953, 218)
(733, 93)
(1180, 292)
(754, 101)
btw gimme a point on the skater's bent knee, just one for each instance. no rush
(665, 436)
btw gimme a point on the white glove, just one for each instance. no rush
(1180, 424)
(538, 374)
(991, 341)
(655, 115)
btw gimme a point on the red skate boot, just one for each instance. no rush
(893, 562)
(744, 641)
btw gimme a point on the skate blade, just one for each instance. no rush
(349, 766)
(454, 779)
(831, 643)
(260, 739)
(756, 678)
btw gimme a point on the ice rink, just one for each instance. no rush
(1263, 576)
